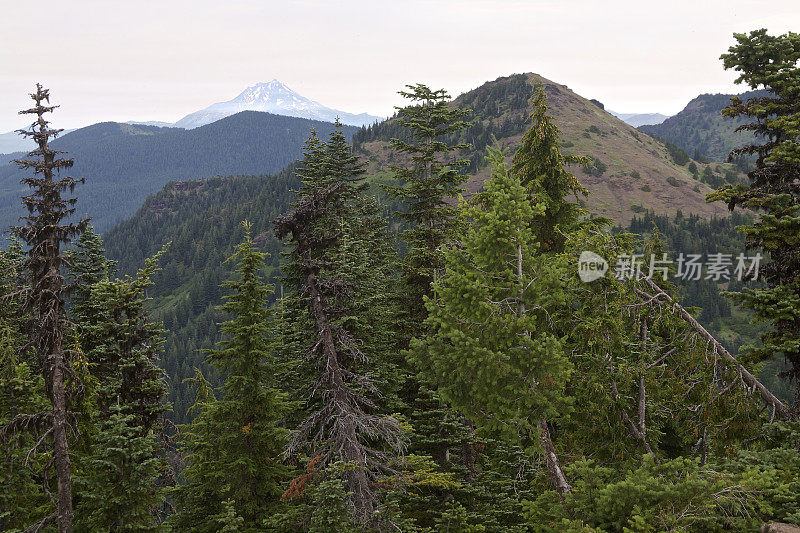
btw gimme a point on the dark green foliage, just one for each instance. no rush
(770, 62)
(428, 180)
(678, 155)
(21, 392)
(117, 483)
(187, 289)
(344, 431)
(676, 495)
(233, 447)
(120, 461)
(542, 170)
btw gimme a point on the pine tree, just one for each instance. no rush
(770, 62)
(492, 352)
(234, 444)
(44, 234)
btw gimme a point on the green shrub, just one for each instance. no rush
(675, 495)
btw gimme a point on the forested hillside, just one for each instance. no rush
(147, 157)
(201, 221)
(702, 131)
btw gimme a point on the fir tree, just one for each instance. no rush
(233, 446)
(542, 170)
(44, 234)
(88, 265)
(121, 458)
(428, 181)
(343, 425)
(491, 351)
(770, 62)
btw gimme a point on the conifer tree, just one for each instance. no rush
(770, 62)
(233, 446)
(429, 179)
(22, 500)
(121, 457)
(492, 351)
(344, 433)
(88, 265)
(542, 170)
(45, 233)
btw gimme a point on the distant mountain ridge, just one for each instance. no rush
(701, 129)
(271, 97)
(639, 119)
(276, 98)
(124, 163)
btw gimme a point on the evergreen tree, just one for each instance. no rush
(22, 501)
(344, 425)
(427, 182)
(44, 234)
(121, 457)
(542, 170)
(88, 265)
(492, 352)
(770, 62)
(233, 446)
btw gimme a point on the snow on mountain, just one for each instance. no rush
(272, 97)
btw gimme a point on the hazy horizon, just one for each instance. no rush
(162, 60)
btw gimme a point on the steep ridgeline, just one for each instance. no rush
(632, 172)
(202, 219)
(124, 163)
(701, 130)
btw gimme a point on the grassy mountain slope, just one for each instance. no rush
(633, 172)
(701, 127)
(124, 163)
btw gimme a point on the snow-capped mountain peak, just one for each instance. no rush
(272, 97)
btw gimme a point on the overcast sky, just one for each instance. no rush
(162, 59)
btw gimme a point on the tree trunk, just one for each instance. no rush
(551, 459)
(60, 451)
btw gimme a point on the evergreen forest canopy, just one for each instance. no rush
(386, 359)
